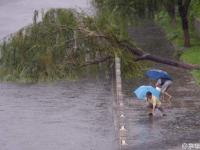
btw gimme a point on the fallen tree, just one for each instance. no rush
(139, 53)
(65, 42)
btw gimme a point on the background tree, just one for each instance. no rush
(65, 41)
(170, 6)
(183, 6)
(128, 11)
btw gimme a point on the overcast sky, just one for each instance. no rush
(15, 14)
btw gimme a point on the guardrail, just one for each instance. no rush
(119, 106)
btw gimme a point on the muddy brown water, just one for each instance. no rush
(64, 115)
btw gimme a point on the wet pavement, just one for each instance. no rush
(58, 116)
(79, 114)
(15, 14)
(182, 123)
(63, 115)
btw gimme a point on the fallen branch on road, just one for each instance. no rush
(135, 51)
(141, 55)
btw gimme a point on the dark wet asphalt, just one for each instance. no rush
(58, 116)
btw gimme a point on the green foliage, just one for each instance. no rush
(126, 12)
(130, 68)
(58, 46)
(122, 13)
(174, 34)
(195, 8)
(40, 51)
(192, 55)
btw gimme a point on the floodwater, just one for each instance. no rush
(67, 115)
(15, 14)
(182, 123)
(78, 115)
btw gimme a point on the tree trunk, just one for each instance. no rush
(186, 38)
(141, 55)
(183, 11)
(170, 6)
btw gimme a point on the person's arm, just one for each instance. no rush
(158, 83)
(154, 104)
(146, 100)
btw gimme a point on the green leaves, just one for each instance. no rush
(60, 45)
(195, 9)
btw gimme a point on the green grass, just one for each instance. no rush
(192, 55)
(175, 35)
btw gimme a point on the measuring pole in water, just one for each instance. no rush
(120, 105)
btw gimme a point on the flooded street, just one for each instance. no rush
(57, 116)
(67, 115)
(182, 123)
(82, 115)
(15, 14)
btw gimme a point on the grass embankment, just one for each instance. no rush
(175, 35)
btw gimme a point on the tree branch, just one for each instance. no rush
(141, 55)
(96, 61)
(146, 56)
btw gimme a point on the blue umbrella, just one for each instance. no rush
(156, 74)
(141, 91)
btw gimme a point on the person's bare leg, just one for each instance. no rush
(162, 97)
(150, 109)
(169, 97)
